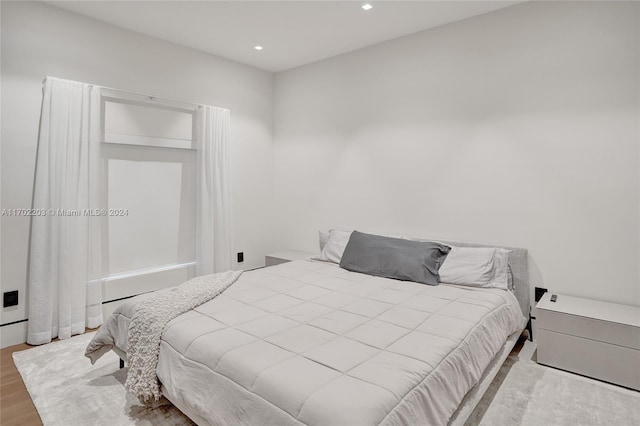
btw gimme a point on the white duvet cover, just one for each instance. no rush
(309, 343)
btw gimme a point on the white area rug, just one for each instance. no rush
(525, 393)
(67, 390)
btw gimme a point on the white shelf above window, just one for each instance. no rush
(148, 141)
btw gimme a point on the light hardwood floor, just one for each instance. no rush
(16, 407)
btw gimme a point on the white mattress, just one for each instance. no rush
(309, 343)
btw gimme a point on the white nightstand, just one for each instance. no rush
(285, 256)
(589, 337)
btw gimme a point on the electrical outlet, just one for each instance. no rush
(540, 291)
(240, 257)
(10, 298)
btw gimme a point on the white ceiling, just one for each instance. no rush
(293, 33)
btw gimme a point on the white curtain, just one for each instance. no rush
(214, 249)
(64, 265)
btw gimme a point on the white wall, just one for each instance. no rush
(40, 40)
(519, 127)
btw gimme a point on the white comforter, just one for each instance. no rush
(309, 343)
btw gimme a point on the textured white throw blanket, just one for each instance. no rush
(149, 321)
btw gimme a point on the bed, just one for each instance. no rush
(310, 343)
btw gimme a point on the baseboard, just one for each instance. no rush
(13, 334)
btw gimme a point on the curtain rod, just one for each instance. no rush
(151, 97)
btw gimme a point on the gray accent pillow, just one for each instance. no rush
(396, 258)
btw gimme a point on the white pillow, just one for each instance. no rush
(476, 266)
(501, 270)
(334, 247)
(468, 266)
(323, 237)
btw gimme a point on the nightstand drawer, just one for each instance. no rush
(604, 361)
(590, 328)
(590, 337)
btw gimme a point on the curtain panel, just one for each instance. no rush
(65, 257)
(214, 247)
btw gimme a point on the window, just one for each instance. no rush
(150, 186)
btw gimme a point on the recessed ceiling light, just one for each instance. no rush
(367, 6)
(258, 47)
